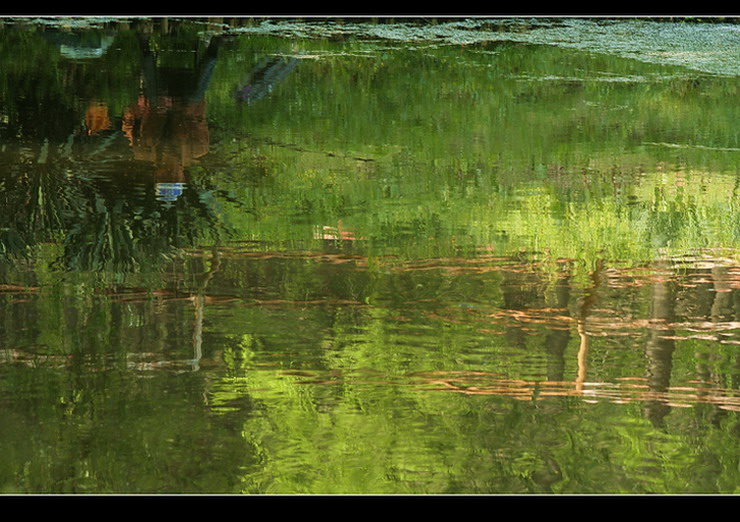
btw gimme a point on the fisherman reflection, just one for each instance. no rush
(167, 125)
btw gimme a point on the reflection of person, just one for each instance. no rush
(167, 125)
(170, 135)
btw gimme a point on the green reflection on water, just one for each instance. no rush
(235, 261)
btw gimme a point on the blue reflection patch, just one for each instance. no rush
(169, 191)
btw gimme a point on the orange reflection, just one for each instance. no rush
(171, 134)
(338, 232)
(97, 118)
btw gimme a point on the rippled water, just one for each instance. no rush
(349, 257)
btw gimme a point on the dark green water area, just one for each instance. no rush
(283, 256)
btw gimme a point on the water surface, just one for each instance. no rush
(451, 257)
